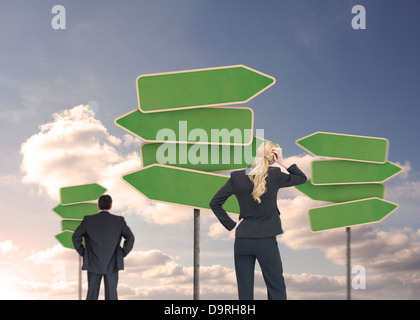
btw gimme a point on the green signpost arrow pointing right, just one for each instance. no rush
(200, 88)
(343, 172)
(81, 193)
(350, 213)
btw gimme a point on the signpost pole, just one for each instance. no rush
(348, 264)
(196, 279)
(80, 277)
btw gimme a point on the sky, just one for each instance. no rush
(62, 89)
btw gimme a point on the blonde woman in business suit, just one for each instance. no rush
(256, 189)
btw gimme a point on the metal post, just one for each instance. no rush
(80, 277)
(348, 265)
(196, 280)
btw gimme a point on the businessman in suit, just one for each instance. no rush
(259, 220)
(102, 253)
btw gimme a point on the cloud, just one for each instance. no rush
(168, 279)
(73, 149)
(57, 254)
(153, 274)
(76, 148)
(218, 231)
(406, 169)
(7, 248)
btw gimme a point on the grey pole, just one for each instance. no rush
(348, 265)
(196, 279)
(80, 277)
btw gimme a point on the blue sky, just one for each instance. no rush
(329, 77)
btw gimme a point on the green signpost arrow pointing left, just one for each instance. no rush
(208, 125)
(344, 146)
(65, 239)
(76, 211)
(200, 88)
(350, 213)
(180, 186)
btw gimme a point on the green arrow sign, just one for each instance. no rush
(81, 193)
(65, 239)
(199, 156)
(342, 193)
(76, 211)
(180, 186)
(342, 172)
(206, 125)
(348, 147)
(350, 213)
(200, 88)
(70, 225)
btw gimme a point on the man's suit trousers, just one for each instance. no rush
(266, 251)
(94, 283)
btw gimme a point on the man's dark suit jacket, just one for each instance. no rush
(102, 253)
(260, 219)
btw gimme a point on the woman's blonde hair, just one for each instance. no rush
(263, 158)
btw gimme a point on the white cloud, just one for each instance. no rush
(168, 279)
(153, 274)
(7, 247)
(57, 254)
(406, 169)
(218, 231)
(75, 148)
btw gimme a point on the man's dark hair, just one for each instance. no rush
(105, 202)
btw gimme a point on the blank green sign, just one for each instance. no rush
(343, 171)
(219, 125)
(349, 213)
(180, 186)
(76, 211)
(65, 238)
(200, 157)
(347, 147)
(81, 193)
(342, 193)
(205, 87)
